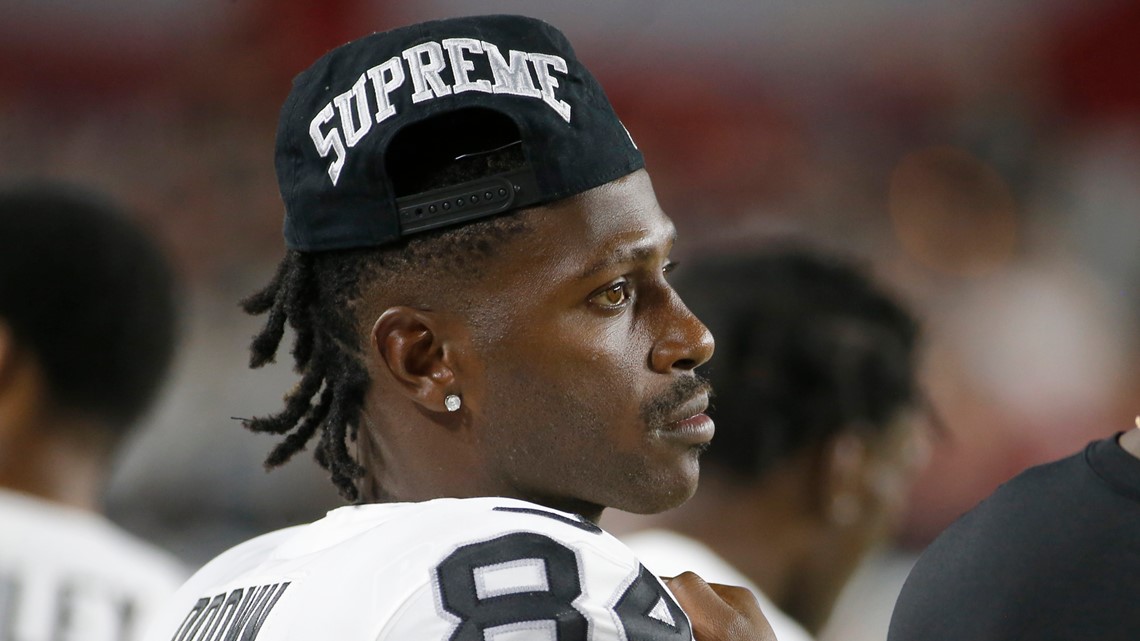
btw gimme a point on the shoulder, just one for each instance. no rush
(365, 538)
(521, 566)
(449, 568)
(669, 553)
(65, 541)
(237, 560)
(67, 560)
(1034, 495)
(486, 531)
(1002, 559)
(1015, 511)
(433, 530)
(494, 517)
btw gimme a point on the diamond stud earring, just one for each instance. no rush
(452, 402)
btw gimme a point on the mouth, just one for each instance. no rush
(690, 425)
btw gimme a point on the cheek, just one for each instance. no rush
(581, 355)
(566, 375)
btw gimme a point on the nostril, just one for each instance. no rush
(686, 364)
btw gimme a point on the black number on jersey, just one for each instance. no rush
(649, 613)
(645, 608)
(465, 592)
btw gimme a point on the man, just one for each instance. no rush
(817, 432)
(489, 353)
(1052, 554)
(87, 332)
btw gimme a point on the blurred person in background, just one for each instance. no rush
(819, 432)
(1052, 555)
(87, 333)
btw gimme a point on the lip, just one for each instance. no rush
(694, 427)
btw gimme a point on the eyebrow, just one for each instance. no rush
(624, 255)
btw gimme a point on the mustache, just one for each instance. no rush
(660, 411)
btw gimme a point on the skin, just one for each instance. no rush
(46, 451)
(720, 611)
(572, 354)
(574, 358)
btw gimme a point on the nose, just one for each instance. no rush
(685, 343)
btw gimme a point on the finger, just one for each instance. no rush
(704, 608)
(688, 587)
(735, 616)
(739, 598)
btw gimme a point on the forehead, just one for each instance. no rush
(618, 221)
(571, 247)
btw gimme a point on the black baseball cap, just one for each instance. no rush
(338, 139)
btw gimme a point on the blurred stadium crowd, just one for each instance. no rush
(985, 156)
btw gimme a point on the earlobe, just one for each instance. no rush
(412, 348)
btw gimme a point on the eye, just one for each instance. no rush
(669, 267)
(612, 296)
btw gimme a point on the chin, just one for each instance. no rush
(660, 504)
(664, 493)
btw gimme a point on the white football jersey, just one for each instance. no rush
(484, 569)
(71, 575)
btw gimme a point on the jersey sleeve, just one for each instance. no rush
(541, 576)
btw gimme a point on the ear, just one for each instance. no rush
(418, 351)
(22, 387)
(7, 355)
(843, 483)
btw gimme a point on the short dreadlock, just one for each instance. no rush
(318, 295)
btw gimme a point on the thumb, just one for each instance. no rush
(720, 612)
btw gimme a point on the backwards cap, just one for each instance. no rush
(334, 139)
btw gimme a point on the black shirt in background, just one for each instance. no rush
(1053, 554)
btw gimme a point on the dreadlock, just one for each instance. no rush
(318, 293)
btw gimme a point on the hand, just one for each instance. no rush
(720, 612)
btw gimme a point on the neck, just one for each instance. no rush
(392, 451)
(45, 451)
(589, 511)
(43, 461)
